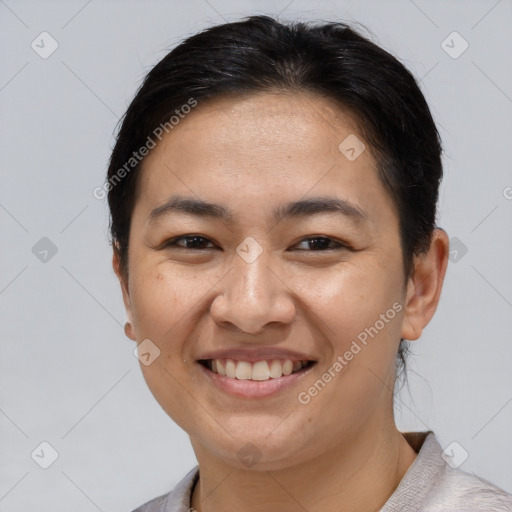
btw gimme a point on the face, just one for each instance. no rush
(257, 278)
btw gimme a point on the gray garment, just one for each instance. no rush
(429, 485)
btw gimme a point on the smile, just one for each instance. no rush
(254, 380)
(258, 370)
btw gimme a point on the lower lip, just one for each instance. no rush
(245, 388)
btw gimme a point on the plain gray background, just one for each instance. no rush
(68, 374)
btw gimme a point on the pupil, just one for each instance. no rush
(319, 243)
(194, 242)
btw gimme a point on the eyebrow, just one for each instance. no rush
(296, 209)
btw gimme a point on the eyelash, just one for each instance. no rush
(173, 242)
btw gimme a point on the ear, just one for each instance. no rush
(116, 265)
(424, 286)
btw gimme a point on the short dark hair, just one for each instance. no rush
(333, 60)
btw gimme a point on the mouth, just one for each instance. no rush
(257, 371)
(254, 379)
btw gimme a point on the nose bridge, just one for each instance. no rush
(252, 295)
(251, 280)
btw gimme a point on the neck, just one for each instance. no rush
(375, 459)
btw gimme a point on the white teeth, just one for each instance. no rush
(221, 369)
(260, 370)
(243, 370)
(287, 367)
(276, 370)
(230, 368)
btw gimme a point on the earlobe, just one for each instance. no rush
(425, 285)
(116, 265)
(409, 330)
(128, 330)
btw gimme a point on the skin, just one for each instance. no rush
(341, 451)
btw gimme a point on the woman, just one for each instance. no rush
(273, 197)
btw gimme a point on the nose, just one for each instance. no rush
(252, 295)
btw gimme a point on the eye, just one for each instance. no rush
(311, 244)
(321, 243)
(191, 242)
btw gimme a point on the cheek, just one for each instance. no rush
(164, 305)
(361, 309)
(161, 298)
(350, 298)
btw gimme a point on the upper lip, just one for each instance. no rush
(256, 354)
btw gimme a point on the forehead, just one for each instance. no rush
(268, 145)
(278, 120)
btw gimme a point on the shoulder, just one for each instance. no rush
(155, 505)
(431, 484)
(458, 490)
(178, 500)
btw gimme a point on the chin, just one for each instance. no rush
(259, 451)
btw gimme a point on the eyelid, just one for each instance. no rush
(173, 242)
(338, 244)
